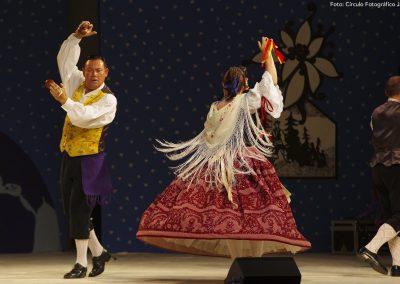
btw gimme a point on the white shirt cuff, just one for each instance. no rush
(68, 105)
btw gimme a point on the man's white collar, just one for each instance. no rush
(98, 89)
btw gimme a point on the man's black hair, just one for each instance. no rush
(392, 86)
(94, 57)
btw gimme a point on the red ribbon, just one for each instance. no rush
(268, 49)
(279, 55)
(265, 104)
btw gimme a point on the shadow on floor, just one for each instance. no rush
(185, 281)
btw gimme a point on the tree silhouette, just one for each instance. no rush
(321, 158)
(306, 137)
(293, 147)
(305, 155)
(277, 138)
(318, 146)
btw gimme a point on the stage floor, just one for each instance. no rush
(48, 268)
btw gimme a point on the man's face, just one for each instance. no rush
(95, 73)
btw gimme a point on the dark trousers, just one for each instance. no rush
(76, 208)
(386, 182)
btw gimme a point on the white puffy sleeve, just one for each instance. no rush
(95, 115)
(67, 59)
(267, 89)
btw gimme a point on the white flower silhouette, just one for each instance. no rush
(303, 66)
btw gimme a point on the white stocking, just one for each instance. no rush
(384, 234)
(81, 252)
(394, 247)
(94, 245)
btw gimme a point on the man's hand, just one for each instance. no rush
(58, 92)
(85, 29)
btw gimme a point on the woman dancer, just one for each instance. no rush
(227, 199)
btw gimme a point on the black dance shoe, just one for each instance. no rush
(99, 262)
(372, 259)
(77, 272)
(395, 271)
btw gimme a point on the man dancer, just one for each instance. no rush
(385, 124)
(85, 181)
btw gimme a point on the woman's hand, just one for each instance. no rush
(269, 64)
(263, 43)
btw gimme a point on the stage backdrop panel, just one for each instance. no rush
(167, 59)
(30, 125)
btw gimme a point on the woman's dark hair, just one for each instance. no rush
(233, 82)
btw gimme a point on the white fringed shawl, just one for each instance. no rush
(219, 152)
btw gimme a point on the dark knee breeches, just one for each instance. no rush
(76, 208)
(386, 181)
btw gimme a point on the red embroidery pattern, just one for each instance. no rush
(204, 212)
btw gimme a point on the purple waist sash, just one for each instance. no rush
(96, 179)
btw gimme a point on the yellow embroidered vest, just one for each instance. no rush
(79, 141)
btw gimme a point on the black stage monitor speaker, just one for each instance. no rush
(263, 270)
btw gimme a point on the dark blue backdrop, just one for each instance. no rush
(29, 120)
(166, 61)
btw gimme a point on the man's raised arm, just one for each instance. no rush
(68, 57)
